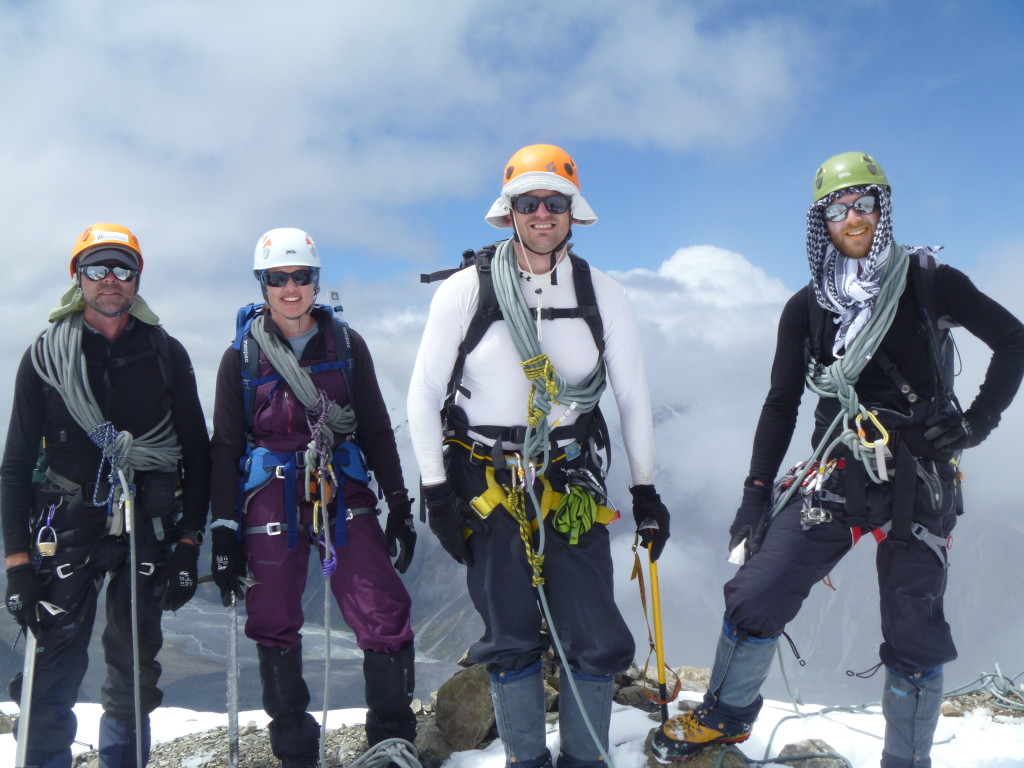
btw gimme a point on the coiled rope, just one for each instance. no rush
(331, 418)
(838, 379)
(58, 359)
(548, 387)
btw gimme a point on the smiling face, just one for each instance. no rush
(290, 304)
(542, 231)
(853, 235)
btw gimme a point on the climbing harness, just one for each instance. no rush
(324, 468)
(837, 381)
(58, 360)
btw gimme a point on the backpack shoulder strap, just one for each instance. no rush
(815, 345)
(248, 357)
(921, 271)
(487, 312)
(160, 340)
(586, 300)
(343, 355)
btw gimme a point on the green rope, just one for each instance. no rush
(575, 514)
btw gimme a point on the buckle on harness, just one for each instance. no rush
(814, 516)
(273, 529)
(484, 451)
(921, 533)
(64, 570)
(147, 569)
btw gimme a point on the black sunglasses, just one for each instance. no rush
(529, 203)
(97, 272)
(278, 279)
(839, 211)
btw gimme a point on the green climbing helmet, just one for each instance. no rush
(849, 169)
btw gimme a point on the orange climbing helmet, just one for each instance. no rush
(540, 166)
(107, 237)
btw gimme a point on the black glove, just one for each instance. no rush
(180, 576)
(953, 431)
(651, 518)
(227, 564)
(400, 532)
(747, 523)
(444, 514)
(24, 593)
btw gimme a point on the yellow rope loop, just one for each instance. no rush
(534, 415)
(541, 367)
(517, 506)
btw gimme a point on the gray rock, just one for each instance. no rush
(464, 712)
(810, 747)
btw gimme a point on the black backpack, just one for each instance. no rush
(488, 311)
(941, 345)
(249, 356)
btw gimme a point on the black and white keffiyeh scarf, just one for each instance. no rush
(848, 287)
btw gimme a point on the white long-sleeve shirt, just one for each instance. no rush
(498, 389)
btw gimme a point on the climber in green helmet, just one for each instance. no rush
(888, 437)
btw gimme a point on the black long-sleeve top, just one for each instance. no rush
(905, 345)
(133, 395)
(373, 425)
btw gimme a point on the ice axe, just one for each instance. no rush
(659, 644)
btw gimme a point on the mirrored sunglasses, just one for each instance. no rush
(279, 279)
(839, 211)
(97, 272)
(529, 203)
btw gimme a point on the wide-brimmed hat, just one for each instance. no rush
(540, 167)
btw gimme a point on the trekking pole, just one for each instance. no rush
(129, 522)
(27, 677)
(327, 671)
(233, 682)
(659, 646)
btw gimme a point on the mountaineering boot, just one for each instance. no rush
(117, 741)
(910, 705)
(518, 698)
(578, 749)
(390, 680)
(294, 733)
(731, 704)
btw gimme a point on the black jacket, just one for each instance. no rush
(131, 392)
(906, 345)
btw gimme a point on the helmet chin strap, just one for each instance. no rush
(552, 254)
(114, 314)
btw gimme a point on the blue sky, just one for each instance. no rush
(382, 129)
